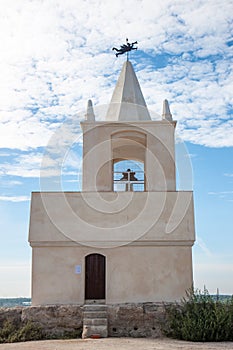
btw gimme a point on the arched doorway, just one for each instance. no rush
(95, 276)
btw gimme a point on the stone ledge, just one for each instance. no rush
(124, 320)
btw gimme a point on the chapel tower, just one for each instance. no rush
(128, 236)
(128, 134)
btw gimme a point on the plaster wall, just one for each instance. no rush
(53, 276)
(158, 153)
(143, 274)
(108, 219)
(146, 238)
(133, 274)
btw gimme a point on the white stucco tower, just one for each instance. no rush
(128, 236)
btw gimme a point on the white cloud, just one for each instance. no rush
(61, 157)
(221, 192)
(215, 272)
(55, 55)
(223, 195)
(74, 180)
(214, 275)
(10, 183)
(14, 198)
(16, 277)
(200, 242)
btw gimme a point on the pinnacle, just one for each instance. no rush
(127, 103)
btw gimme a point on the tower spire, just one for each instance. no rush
(90, 115)
(127, 103)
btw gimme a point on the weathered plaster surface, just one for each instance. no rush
(144, 263)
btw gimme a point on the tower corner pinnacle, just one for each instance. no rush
(166, 114)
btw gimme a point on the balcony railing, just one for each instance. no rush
(128, 181)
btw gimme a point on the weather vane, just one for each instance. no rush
(125, 48)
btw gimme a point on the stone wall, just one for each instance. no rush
(136, 320)
(56, 321)
(124, 320)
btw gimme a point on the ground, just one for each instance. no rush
(116, 344)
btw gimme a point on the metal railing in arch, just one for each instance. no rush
(129, 180)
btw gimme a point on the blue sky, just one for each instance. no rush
(55, 55)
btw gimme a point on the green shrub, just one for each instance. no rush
(29, 331)
(10, 333)
(6, 331)
(201, 318)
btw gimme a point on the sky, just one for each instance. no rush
(55, 55)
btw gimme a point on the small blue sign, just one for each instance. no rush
(78, 269)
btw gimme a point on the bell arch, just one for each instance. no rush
(128, 175)
(128, 149)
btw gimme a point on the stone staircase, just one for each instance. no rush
(95, 321)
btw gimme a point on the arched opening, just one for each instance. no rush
(128, 160)
(95, 276)
(128, 175)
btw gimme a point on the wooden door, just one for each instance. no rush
(95, 276)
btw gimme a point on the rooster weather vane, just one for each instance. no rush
(125, 48)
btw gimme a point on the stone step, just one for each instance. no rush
(94, 314)
(95, 322)
(95, 307)
(93, 302)
(101, 331)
